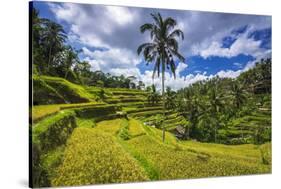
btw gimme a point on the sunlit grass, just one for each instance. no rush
(42, 111)
(93, 157)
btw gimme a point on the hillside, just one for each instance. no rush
(108, 135)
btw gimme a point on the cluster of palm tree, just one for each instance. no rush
(208, 105)
(153, 96)
(53, 56)
(170, 96)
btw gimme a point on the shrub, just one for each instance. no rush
(124, 131)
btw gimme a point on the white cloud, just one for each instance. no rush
(117, 29)
(113, 61)
(120, 14)
(243, 45)
(181, 67)
(94, 25)
(185, 81)
(229, 73)
(239, 65)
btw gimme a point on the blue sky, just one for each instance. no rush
(215, 43)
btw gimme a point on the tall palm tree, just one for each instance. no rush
(216, 105)
(170, 98)
(71, 58)
(162, 48)
(239, 94)
(53, 37)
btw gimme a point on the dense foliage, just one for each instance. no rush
(220, 103)
(54, 57)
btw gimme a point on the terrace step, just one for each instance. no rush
(173, 120)
(146, 113)
(129, 93)
(145, 109)
(115, 101)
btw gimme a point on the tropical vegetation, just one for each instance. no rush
(90, 127)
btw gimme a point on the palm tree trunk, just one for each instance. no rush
(49, 61)
(215, 133)
(163, 96)
(66, 73)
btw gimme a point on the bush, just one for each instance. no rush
(124, 131)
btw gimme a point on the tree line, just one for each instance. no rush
(209, 105)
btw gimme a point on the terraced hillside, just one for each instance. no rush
(247, 129)
(114, 137)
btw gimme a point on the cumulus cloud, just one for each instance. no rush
(97, 25)
(181, 67)
(116, 30)
(242, 45)
(113, 61)
(185, 81)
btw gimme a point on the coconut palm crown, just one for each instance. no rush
(163, 46)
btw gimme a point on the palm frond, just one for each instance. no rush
(156, 68)
(146, 27)
(142, 46)
(178, 55)
(170, 23)
(173, 44)
(156, 19)
(176, 33)
(173, 67)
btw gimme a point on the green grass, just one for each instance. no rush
(178, 162)
(107, 147)
(54, 90)
(135, 128)
(66, 88)
(42, 111)
(93, 157)
(266, 153)
(53, 131)
(248, 152)
(146, 113)
(144, 109)
(110, 126)
(87, 123)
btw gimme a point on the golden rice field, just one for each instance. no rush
(99, 155)
(93, 157)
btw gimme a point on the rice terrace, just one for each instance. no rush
(124, 94)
